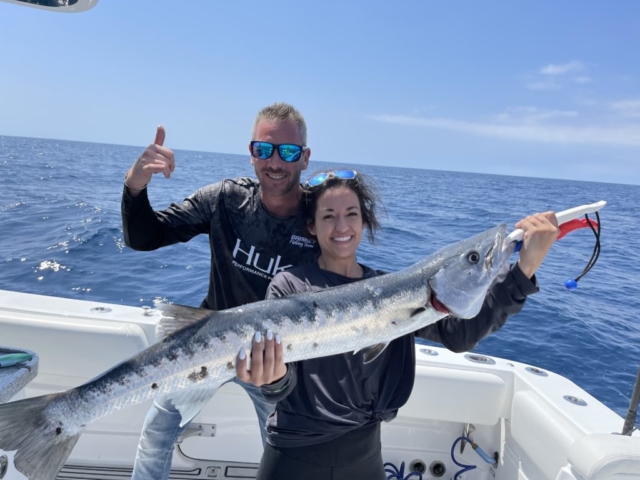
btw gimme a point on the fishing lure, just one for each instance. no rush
(568, 221)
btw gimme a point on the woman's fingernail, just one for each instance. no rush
(278, 338)
(269, 335)
(258, 337)
(242, 355)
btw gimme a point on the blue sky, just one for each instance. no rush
(546, 88)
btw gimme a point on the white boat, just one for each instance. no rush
(538, 425)
(533, 424)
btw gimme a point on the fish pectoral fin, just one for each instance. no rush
(372, 352)
(191, 400)
(176, 317)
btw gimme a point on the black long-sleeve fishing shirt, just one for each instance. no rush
(248, 244)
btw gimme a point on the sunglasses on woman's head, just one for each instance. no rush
(320, 178)
(288, 152)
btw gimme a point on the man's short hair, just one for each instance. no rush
(280, 112)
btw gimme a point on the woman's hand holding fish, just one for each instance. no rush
(540, 232)
(267, 360)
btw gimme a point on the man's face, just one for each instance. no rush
(277, 177)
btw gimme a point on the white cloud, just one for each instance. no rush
(623, 135)
(553, 69)
(542, 86)
(582, 79)
(627, 108)
(586, 101)
(627, 104)
(529, 115)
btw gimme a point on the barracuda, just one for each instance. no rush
(199, 351)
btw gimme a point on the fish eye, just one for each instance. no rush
(473, 257)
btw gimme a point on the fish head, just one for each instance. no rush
(466, 270)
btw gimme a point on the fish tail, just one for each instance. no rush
(41, 444)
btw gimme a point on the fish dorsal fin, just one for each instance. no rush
(177, 317)
(190, 401)
(372, 352)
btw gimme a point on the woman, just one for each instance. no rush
(328, 410)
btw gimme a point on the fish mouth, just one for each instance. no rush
(489, 257)
(438, 305)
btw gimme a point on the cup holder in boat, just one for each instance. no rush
(428, 351)
(537, 371)
(570, 399)
(472, 357)
(418, 466)
(100, 310)
(4, 465)
(437, 468)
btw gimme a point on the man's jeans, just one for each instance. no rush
(162, 428)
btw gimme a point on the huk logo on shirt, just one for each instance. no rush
(265, 267)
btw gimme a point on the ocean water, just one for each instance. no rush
(61, 234)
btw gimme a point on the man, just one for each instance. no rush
(255, 231)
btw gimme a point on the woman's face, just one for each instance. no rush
(338, 223)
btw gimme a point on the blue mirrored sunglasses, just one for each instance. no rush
(288, 152)
(320, 178)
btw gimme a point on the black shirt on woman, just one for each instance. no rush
(319, 400)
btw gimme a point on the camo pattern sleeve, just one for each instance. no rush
(506, 297)
(147, 230)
